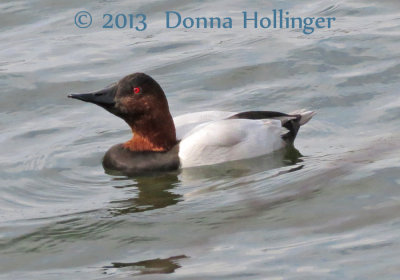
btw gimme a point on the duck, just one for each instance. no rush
(163, 143)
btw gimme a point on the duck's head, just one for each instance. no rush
(131, 98)
(140, 101)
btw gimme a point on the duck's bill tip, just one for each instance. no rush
(88, 97)
(74, 95)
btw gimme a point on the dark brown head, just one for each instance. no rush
(140, 101)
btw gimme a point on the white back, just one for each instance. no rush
(185, 123)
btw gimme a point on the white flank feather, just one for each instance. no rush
(227, 140)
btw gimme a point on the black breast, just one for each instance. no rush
(127, 162)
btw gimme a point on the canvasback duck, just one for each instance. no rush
(161, 143)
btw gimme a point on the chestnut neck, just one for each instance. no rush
(152, 134)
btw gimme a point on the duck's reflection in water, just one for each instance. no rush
(154, 266)
(150, 192)
(156, 191)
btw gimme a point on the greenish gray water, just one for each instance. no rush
(332, 215)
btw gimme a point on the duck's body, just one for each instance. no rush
(213, 137)
(161, 143)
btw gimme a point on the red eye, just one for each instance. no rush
(137, 90)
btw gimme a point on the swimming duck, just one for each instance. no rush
(161, 143)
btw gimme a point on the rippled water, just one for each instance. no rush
(334, 214)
